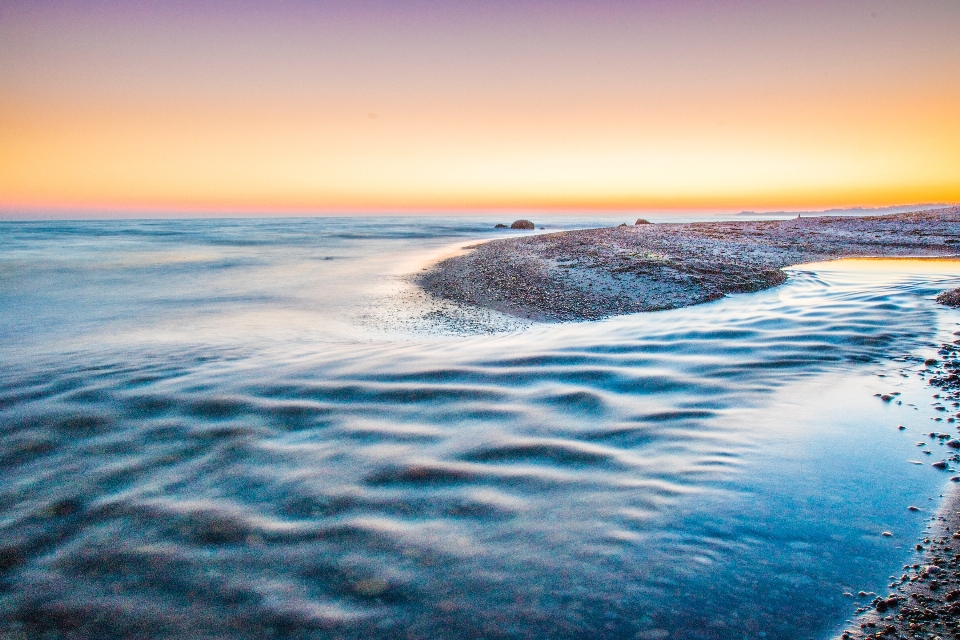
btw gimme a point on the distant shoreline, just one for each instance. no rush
(852, 211)
(597, 273)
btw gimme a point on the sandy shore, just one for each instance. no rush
(924, 600)
(597, 273)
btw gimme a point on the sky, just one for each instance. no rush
(430, 105)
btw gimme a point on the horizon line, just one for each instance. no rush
(52, 213)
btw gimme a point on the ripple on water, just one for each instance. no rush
(594, 480)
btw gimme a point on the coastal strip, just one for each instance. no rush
(924, 601)
(597, 273)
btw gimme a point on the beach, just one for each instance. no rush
(592, 274)
(598, 273)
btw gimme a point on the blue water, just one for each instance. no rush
(259, 428)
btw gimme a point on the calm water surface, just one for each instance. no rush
(259, 428)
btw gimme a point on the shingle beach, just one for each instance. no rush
(597, 273)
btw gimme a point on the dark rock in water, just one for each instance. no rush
(501, 226)
(953, 444)
(622, 224)
(522, 224)
(940, 465)
(950, 298)
(642, 221)
(930, 362)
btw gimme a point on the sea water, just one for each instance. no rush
(261, 428)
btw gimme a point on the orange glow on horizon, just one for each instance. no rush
(676, 117)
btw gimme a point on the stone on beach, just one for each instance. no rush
(950, 298)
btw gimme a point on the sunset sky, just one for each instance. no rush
(465, 105)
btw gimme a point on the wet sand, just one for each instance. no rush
(597, 273)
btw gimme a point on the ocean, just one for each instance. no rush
(261, 428)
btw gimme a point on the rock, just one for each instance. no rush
(913, 508)
(886, 534)
(930, 362)
(500, 225)
(950, 298)
(886, 398)
(901, 427)
(953, 444)
(642, 221)
(522, 224)
(940, 465)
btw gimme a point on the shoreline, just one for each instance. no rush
(598, 273)
(924, 601)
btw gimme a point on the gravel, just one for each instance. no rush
(597, 273)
